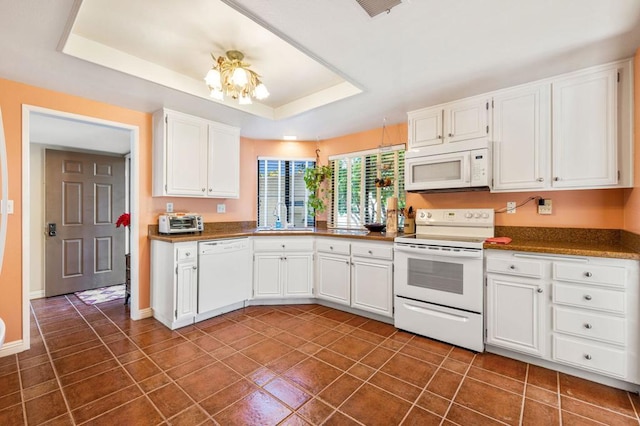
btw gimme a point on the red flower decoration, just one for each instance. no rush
(124, 220)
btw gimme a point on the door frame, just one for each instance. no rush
(134, 197)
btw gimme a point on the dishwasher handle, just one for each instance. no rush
(222, 246)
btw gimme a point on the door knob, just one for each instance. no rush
(51, 229)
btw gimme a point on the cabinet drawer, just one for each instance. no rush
(333, 246)
(590, 356)
(594, 274)
(600, 299)
(527, 268)
(282, 244)
(187, 253)
(373, 251)
(595, 326)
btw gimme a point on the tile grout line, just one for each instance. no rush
(163, 371)
(53, 367)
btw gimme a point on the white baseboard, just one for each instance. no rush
(144, 313)
(12, 348)
(37, 294)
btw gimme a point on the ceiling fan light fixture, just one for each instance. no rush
(231, 77)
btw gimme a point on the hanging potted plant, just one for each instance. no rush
(314, 179)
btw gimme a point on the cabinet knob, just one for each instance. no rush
(588, 274)
(330, 247)
(587, 297)
(439, 136)
(588, 326)
(195, 266)
(283, 246)
(347, 262)
(539, 290)
(203, 189)
(587, 356)
(370, 252)
(450, 135)
(188, 254)
(540, 179)
(512, 267)
(556, 178)
(210, 190)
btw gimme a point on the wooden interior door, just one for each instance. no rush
(85, 194)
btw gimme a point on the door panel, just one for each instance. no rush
(84, 195)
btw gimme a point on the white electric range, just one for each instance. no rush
(438, 278)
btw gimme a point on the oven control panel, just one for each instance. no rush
(455, 217)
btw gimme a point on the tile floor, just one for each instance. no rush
(287, 365)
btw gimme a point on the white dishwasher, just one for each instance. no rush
(224, 276)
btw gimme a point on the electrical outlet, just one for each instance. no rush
(169, 207)
(511, 207)
(544, 206)
(8, 209)
(222, 208)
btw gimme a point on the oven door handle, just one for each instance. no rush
(435, 313)
(468, 253)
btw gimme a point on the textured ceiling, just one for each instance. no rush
(421, 53)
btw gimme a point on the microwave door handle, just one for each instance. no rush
(466, 164)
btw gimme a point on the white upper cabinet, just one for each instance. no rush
(585, 129)
(522, 138)
(449, 123)
(194, 157)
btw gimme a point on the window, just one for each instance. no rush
(282, 192)
(361, 184)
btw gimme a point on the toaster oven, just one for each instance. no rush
(180, 223)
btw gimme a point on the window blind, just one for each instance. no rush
(361, 184)
(282, 192)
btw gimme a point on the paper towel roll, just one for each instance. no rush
(392, 215)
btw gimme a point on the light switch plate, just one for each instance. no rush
(8, 209)
(222, 208)
(169, 207)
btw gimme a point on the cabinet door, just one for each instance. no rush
(224, 162)
(585, 130)
(334, 278)
(186, 291)
(186, 145)
(425, 127)
(267, 275)
(522, 136)
(298, 274)
(515, 314)
(466, 120)
(372, 286)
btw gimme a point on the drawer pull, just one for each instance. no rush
(370, 252)
(330, 247)
(587, 356)
(588, 274)
(512, 267)
(587, 297)
(588, 326)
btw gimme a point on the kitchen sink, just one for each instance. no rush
(349, 231)
(284, 230)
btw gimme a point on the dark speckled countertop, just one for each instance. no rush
(612, 243)
(219, 230)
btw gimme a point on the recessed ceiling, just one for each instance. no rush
(143, 38)
(421, 53)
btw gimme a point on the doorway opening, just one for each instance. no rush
(45, 128)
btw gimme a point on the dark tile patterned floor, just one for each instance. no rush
(268, 365)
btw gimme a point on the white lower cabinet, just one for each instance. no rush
(584, 308)
(283, 267)
(174, 282)
(356, 274)
(516, 314)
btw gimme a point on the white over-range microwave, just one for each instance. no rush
(451, 167)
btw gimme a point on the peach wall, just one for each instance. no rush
(14, 95)
(632, 196)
